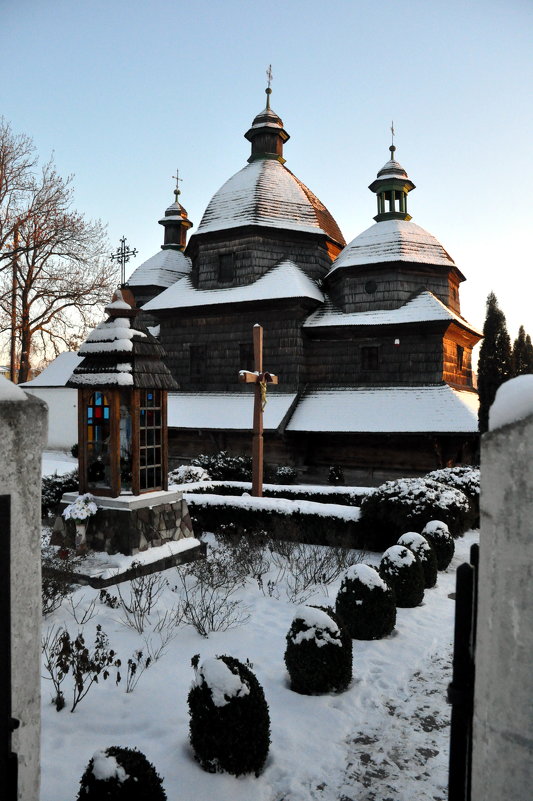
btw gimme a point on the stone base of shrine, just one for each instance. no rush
(127, 524)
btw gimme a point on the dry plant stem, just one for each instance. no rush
(144, 594)
(81, 616)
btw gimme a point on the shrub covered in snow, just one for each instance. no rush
(466, 479)
(120, 774)
(188, 474)
(424, 552)
(438, 535)
(336, 474)
(318, 655)
(53, 488)
(365, 604)
(229, 720)
(223, 466)
(284, 474)
(403, 573)
(408, 504)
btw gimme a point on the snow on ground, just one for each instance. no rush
(385, 737)
(58, 462)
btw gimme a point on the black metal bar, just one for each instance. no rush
(8, 760)
(461, 690)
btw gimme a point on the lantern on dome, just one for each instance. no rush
(122, 386)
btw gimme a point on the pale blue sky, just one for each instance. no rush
(125, 91)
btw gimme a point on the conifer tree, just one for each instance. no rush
(495, 362)
(522, 353)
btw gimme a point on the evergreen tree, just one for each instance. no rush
(495, 362)
(522, 353)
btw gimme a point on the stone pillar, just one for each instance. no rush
(502, 760)
(23, 423)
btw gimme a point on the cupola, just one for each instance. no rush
(176, 223)
(267, 133)
(392, 186)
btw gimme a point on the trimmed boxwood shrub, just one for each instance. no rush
(318, 655)
(120, 774)
(365, 604)
(423, 550)
(229, 719)
(53, 488)
(438, 535)
(403, 573)
(407, 504)
(466, 479)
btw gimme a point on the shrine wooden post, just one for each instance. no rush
(260, 380)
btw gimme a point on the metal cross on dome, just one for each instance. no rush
(177, 191)
(269, 75)
(123, 255)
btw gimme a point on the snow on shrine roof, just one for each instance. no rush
(267, 193)
(393, 240)
(424, 307)
(285, 280)
(57, 373)
(387, 410)
(162, 269)
(224, 410)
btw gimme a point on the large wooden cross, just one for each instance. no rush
(260, 379)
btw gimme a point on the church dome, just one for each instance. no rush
(266, 193)
(162, 269)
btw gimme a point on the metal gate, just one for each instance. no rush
(8, 760)
(461, 689)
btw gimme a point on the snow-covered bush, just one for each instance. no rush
(365, 604)
(224, 467)
(188, 474)
(423, 550)
(403, 573)
(284, 474)
(466, 479)
(53, 488)
(318, 655)
(438, 535)
(408, 504)
(229, 719)
(120, 774)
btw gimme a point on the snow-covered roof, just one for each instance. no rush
(57, 373)
(224, 410)
(393, 240)
(387, 409)
(162, 269)
(424, 307)
(266, 193)
(285, 280)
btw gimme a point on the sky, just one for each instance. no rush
(125, 92)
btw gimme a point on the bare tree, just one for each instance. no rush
(54, 272)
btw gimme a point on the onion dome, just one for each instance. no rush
(392, 185)
(169, 264)
(121, 352)
(265, 192)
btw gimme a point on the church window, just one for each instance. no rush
(460, 357)
(226, 267)
(369, 357)
(370, 287)
(246, 357)
(197, 360)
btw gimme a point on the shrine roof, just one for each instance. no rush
(266, 193)
(224, 410)
(57, 373)
(425, 409)
(424, 307)
(393, 240)
(285, 280)
(162, 269)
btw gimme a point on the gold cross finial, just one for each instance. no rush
(177, 191)
(268, 90)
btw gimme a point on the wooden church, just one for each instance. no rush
(367, 338)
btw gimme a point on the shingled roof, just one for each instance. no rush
(121, 352)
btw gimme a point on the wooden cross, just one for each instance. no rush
(260, 379)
